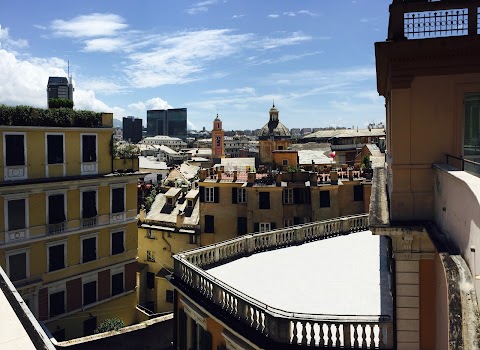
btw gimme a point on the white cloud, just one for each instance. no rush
(307, 12)
(95, 24)
(24, 82)
(104, 44)
(153, 103)
(290, 14)
(176, 59)
(244, 90)
(273, 15)
(102, 85)
(6, 41)
(200, 7)
(237, 16)
(294, 38)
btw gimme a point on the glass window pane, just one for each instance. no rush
(17, 266)
(16, 214)
(55, 149)
(14, 150)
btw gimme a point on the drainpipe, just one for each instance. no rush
(169, 246)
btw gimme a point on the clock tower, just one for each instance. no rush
(218, 148)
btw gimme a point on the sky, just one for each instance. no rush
(314, 59)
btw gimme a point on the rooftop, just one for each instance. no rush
(339, 262)
(345, 133)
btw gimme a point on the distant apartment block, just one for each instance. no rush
(132, 129)
(168, 122)
(59, 87)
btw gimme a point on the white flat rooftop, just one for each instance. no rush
(346, 275)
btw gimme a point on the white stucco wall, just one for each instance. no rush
(457, 212)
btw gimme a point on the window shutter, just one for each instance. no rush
(256, 227)
(202, 194)
(234, 195)
(182, 330)
(216, 194)
(273, 225)
(205, 340)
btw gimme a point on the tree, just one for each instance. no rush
(110, 324)
(59, 103)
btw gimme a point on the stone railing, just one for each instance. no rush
(371, 332)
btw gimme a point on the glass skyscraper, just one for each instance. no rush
(169, 122)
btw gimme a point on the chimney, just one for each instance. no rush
(313, 178)
(334, 177)
(278, 179)
(251, 177)
(180, 218)
(203, 174)
(235, 175)
(219, 174)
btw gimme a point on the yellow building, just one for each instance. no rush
(237, 203)
(68, 231)
(171, 226)
(430, 79)
(273, 136)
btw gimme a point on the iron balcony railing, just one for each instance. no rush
(463, 164)
(321, 331)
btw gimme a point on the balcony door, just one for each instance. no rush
(471, 137)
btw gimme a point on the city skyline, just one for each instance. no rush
(314, 59)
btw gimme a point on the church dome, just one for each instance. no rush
(274, 128)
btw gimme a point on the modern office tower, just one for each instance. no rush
(60, 87)
(132, 129)
(168, 122)
(68, 237)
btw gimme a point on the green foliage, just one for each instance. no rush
(110, 324)
(292, 169)
(150, 199)
(57, 117)
(365, 162)
(60, 103)
(125, 151)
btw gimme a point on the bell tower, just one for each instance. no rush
(218, 148)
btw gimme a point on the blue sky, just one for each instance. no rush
(315, 58)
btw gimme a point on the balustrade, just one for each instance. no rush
(375, 332)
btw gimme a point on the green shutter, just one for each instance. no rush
(216, 194)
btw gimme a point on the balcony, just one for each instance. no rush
(89, 222)
(198, 274)
(54, 229)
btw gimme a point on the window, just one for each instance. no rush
(150, 234)
(117, 283)
(150, 255)
(57, 303)
(16, 214)
(169, 296)
(358, 193)
(264, 226)
(209, 224)
(285, 162)
(170, 201)
(56, 257)
(56, 208)
(118, 242)
(89, 292)
(55, 149)
(89, 204)
(89, 249)
(118, 200)
(17, 265)
(242, 195)
(14, 149)
(264, 200)
(192, 239)
(189, 203)
(287, 222)
(150, 280)
(241, 225)
(280, 148)
(288, 196)
(89, 148)
(301, 195)
(471, 143)
(210, 194)
(324, 199)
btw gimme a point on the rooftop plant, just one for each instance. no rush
(57, 117)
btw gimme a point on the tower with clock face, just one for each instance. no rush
(218, 148)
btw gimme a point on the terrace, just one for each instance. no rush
(248, 282)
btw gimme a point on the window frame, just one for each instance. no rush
(46, 148)
(88, 189)
(355, 195)
(287, 222)
(284, 162)
(65, 200)
(111, 241)
(242, 195)
(96, 147)
(150, 256)
(113, 272)
(57, 288)
(15, 197)
(55, 243)
(267, 226)
(320, 200)
(287, 196)
(213, 223)
(260, 202)
(114, 187)
(209, 194)
(10, 253)
(89, 279)
(85, 237)
(7, 175)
